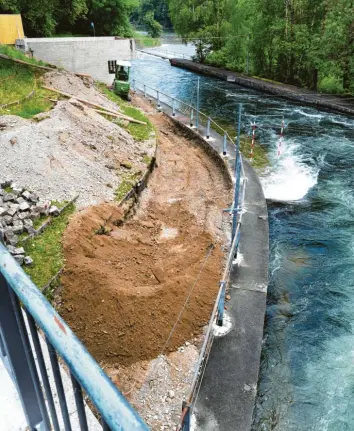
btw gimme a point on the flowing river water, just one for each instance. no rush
(307, 369)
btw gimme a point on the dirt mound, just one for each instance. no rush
(83, 88)
(124, 290)
(129, 286)
(67, 151)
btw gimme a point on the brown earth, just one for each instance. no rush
(124, 289)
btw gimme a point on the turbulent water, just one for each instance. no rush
(307, 371)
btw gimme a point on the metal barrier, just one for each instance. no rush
(24, 311)
(164, 53)
(177, 105)
(196, 120)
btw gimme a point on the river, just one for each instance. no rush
(307, 369)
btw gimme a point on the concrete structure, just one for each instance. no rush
(81, 54)
(229, 387)
(10, 29)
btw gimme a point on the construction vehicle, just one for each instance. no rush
(121, 84)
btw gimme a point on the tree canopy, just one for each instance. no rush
(303, 42)
(110, 17)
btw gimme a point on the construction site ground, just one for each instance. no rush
(129, 282)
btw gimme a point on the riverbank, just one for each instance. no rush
(296, 94)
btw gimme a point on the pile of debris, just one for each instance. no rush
(18, 209)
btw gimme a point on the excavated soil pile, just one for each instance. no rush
(124, 287)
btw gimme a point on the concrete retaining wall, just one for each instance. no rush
(82, 54)
(302, 96)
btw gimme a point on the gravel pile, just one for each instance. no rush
(18, 209)
(68, 151)
(82, 88)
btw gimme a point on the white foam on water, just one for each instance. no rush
(290, 178)
(305, 114)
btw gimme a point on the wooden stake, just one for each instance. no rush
(95, 105)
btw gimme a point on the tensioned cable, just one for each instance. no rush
(211, 248)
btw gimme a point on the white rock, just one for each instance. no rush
(171, 393)
(24, 206)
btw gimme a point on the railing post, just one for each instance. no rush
(208, 129)
(237, 173)
(173, 108)
(158, 99)
(224, 145)
(192, 115)
(221, 304)
(236, 196)
(17, 354)
(144, 90)
(186, 421)
(198, 102)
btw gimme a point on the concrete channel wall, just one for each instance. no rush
(81, 54)
(303, 96)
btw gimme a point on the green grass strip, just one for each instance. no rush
(46, 249)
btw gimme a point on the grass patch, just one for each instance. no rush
(59, 204)
(37, 223)
(260, 157)
(127, 182)
(19, 55)
(146, 41)
(16, 82)
(46, 250)
(147, 159)
(140, 132)
(8, 189)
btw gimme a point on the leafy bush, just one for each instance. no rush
(154, 28)
(331, 84)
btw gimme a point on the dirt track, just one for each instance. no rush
(124, 290)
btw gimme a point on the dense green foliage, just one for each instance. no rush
(110, 17)
(155, 9)
(154, 28)
(303, 42)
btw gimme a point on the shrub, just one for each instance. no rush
(331, 84)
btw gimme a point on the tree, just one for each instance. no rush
(154, 28)
(158, 7)
(111, 17)
(202, 21)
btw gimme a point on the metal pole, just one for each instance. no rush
(191, 122)
(224, 147)
(197, 114)
(173, 108)
(79, 404)
(238, 132)
(237, 173)
(221, 304)
(59, 385)
(16, 350)
(158, 100)
(208, 129)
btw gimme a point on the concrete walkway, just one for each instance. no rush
(229, 386)
(227, 395)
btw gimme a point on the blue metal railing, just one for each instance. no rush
(22, 308)
(189, 112)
